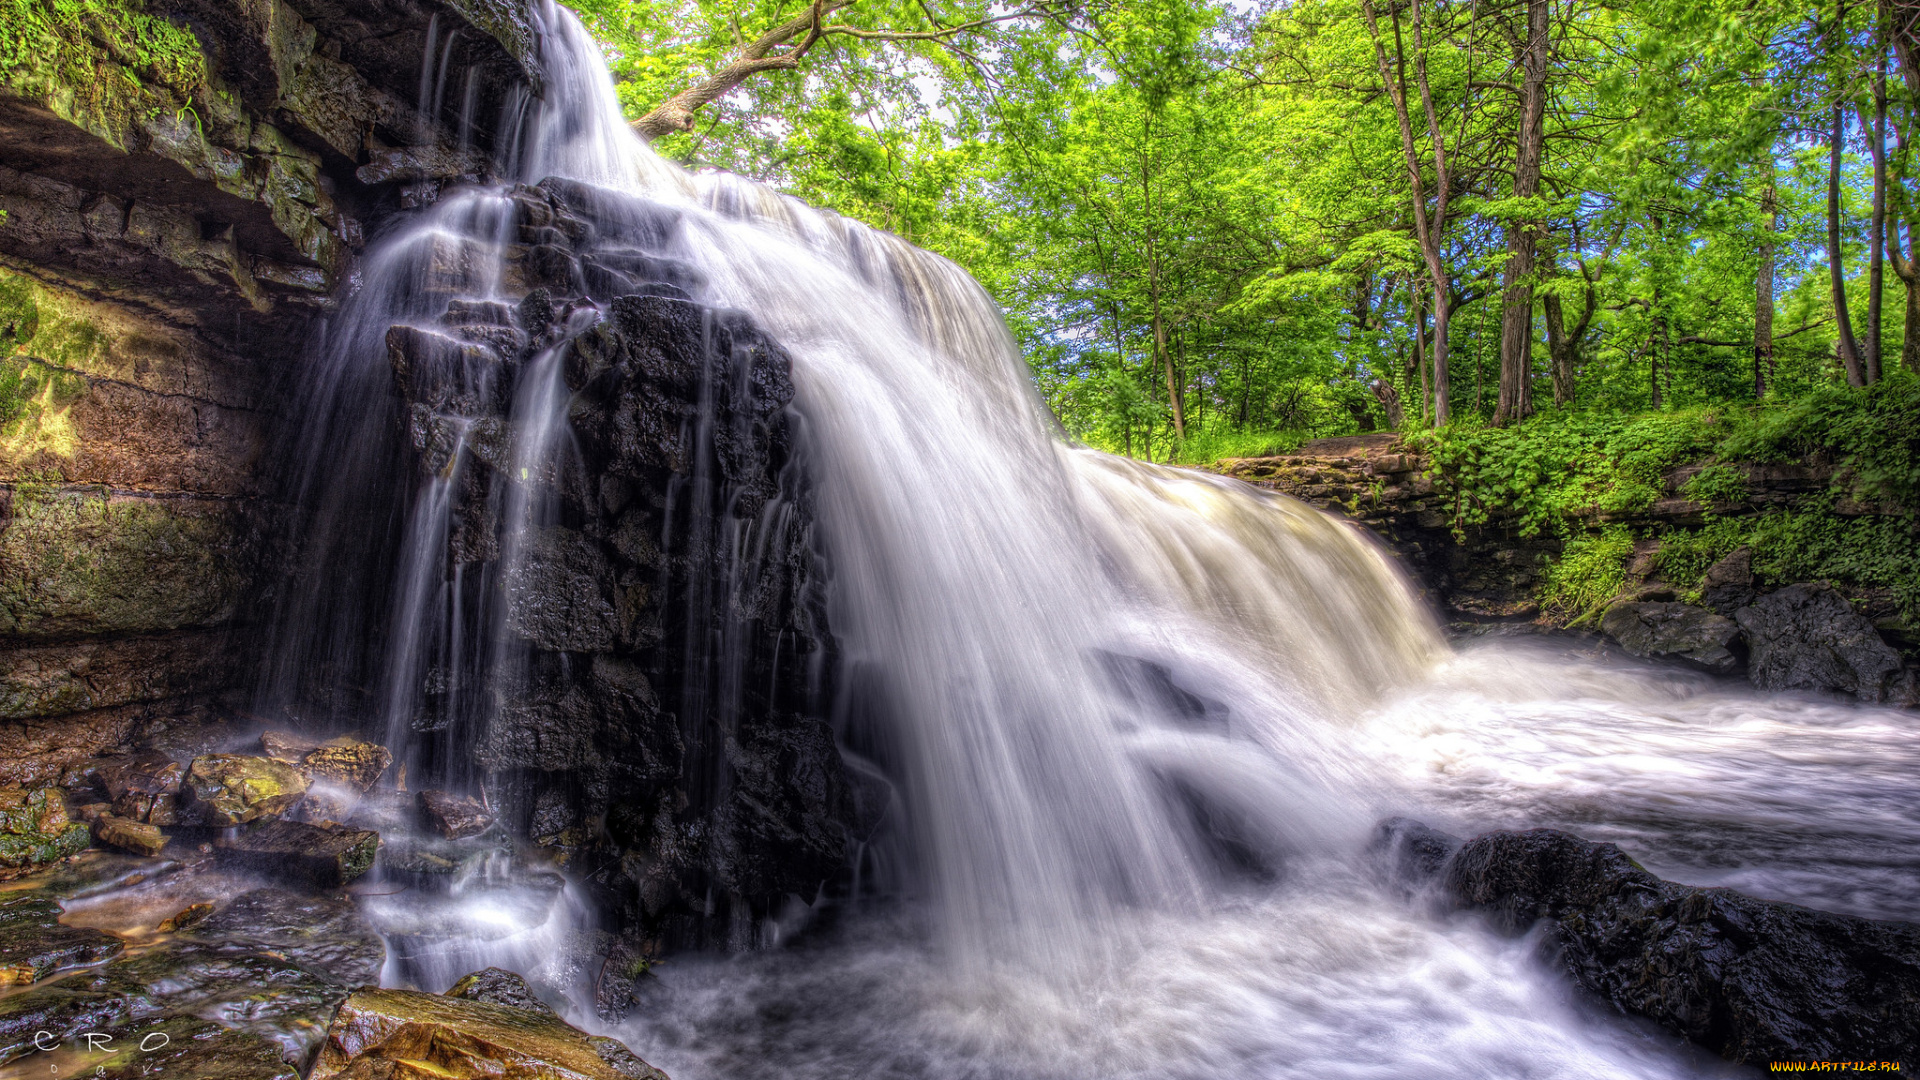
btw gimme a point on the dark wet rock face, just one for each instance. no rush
(1753, 980)
(453, 816)
(663, 733)
(1658, 630)
(1808, 637)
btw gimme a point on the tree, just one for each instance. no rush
(1516, 316)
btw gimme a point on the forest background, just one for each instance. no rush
(1221, 229)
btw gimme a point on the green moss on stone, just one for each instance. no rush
(79, 561)
(19, 313)
(59, 40)
(34, 828)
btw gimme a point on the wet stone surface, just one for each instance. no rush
(240, 988)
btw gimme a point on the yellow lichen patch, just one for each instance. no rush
(35, 402)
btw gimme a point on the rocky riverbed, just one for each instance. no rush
(231, 914)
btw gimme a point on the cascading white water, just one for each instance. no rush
(1144, 717)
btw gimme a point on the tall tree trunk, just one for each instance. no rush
(1516, 314)
(1559, 350)
(1877, 231)
(1763, 293)
(1907, 265)
(1427, 230)
(1420, 352)
(1849, 346)
(1153, 290)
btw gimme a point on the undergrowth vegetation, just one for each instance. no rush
(1587, 478)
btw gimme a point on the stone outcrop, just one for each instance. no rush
(180, 198)
(1752, 980)
(664, 737)
(407, 1035)
(1489, 573)
(1660, 629)
(1808, 637)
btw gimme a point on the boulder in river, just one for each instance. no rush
(350, 762)
(454, 816)
(233, 789)
(137, 837)
(1657, 630)
(408, 1035)
(321, 857)
(35, 829)
(1808, 637)
(1728, 585)
(1754, 980)
(144, 787)
(501, 987)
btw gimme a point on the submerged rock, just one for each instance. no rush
(454, 816)
(1679, 631)
(1753, 980)
(34, 943)
(191, 1047)
(134, 836)
(322, 857)
(271, 965)
(501, 987)
(407, 1035)
(232, 789)
(1808, 637)
(326, 933)
(35, 830)
(185, 919)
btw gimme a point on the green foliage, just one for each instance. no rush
(1230, 181)
(1807, 544)
(64, 35)
(1560, 468)
(1588, 574)
(1874, 432)
(1717, 486)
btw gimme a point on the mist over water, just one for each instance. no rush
(1141, 719)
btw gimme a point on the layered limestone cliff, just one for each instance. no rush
(184, 188)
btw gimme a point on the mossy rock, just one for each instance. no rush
(233, 789)
(35, 830)
(83, 561)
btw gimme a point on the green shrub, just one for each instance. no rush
(1588, 574)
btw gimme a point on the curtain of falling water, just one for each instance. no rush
(1033, 611)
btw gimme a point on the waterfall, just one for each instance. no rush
(1136, 720)
(1100, 684)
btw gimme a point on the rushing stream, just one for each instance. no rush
(1142, 720)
